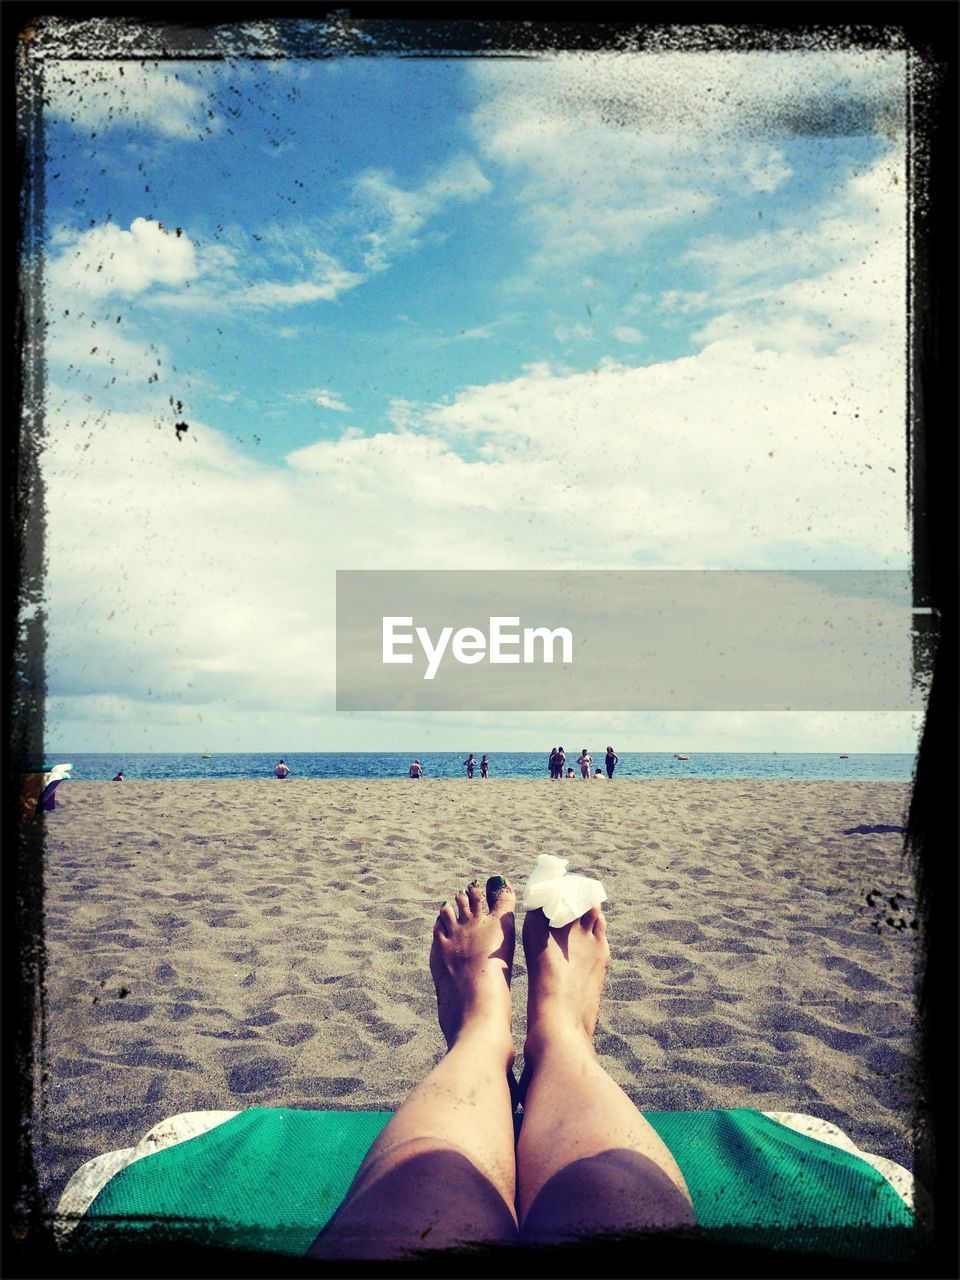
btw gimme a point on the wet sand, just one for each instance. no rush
(256, 943)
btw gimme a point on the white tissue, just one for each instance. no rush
(562, 898)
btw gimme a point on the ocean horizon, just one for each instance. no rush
(796, 766)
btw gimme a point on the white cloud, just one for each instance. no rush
(605, 149)
(103, 355)
(713, 93)
(400, 215)
(225, 276)
(134, 95)
(108, 260)
(684, 300)
(566, 333)
(765, 169)
(271, 293)
(327, 400)
(626, 333)
(840, 278)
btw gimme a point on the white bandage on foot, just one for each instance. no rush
(561, 897)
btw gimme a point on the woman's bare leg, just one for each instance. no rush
(442, 1174)
(588, 1163)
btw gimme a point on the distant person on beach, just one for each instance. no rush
(552, 762)
(559, 761)
(484, 767)
(447, 1171)
(597, 773)
(471, 764)
(281, 770)
(118, 777)
(611, 761)
(584, 761)
(570, 774)
(416, 769)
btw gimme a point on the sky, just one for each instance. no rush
(571, 311)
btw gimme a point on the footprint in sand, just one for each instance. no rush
(686, 1006)
(627, 989)
(890, 1061)
(693, 1033)
(255, 1075)
(122, 1011)
(71, 1068)
(265, 1019)
(350, 1000)
(858, 978)
(160, 1061)
(328, 1086)
(684, 931)
(293, 1033)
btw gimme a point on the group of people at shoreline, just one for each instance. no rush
(555, 764)
(557, 759)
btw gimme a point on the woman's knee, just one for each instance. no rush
(423, 1199)
(612, 1193)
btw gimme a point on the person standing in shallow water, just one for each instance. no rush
(471, 764)
(484, 767)
(611, 761)
(281, 770)
(447, 1171)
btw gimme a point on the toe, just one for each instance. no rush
(475, 897)
(463, 906)
(446, 920)
(536, 931)
(500, 895)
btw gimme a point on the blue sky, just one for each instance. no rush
(567, 312)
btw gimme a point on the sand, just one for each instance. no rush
(255, 943)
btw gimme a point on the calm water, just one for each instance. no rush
(513, 764)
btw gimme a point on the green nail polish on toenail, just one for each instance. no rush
(474, 884)
(443, 904)
(495, 884)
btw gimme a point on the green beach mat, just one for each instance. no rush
(271, 1178)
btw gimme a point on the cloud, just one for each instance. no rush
(755, 95)
(177, 568)
(839, 277)
(271, 293)
(626, 333)
(134, 95)
(225, 275)
(604, 150)
(399, 215)
(103, 354)
(566, 333)
(327, 400)
(108, 260)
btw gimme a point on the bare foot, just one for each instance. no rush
(471, 962)
(567, 968)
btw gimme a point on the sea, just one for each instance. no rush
(785, 765)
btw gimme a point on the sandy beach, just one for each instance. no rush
(254, 943)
